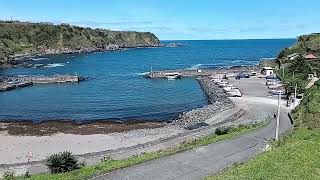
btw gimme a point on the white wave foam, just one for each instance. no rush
(197, 66)
(54, 65)
(39, 59)
(142, 74)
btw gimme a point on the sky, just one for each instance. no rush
(177, 19)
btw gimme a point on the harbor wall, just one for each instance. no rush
(218, 102)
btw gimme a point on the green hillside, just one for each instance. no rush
(34, 38)
(305, 44)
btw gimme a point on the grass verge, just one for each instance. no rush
(111, 165)
(295, 156)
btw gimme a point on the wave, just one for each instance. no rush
(195, 67)
(205, 66)
(142, 74)
(39, 59)
(54, 65)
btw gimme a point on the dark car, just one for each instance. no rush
(272, 76)
(243, 75)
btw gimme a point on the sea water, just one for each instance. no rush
(116, 89)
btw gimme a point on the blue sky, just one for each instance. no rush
(177, 19)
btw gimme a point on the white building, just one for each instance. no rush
(267, 71)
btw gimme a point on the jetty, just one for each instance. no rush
(200, 72)
(8, 83)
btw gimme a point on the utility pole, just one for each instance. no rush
(283, 72)
(295, 94)
(278, 118)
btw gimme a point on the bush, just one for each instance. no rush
(62, 162)
(222, 130)
(8, 175)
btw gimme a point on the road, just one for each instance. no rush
(203, 161)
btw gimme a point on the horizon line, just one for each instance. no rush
(72, 24)
(226, 39)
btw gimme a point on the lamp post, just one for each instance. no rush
(278, 118)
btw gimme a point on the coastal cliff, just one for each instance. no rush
(305, 44)
(21, 39)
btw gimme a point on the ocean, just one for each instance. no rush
(116, 89)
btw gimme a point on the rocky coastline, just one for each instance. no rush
(218, 102)
(25, 59)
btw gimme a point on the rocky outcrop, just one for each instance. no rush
(22, 39)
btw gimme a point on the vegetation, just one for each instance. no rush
(295, 156)
(305, 44)
(62, 162)
(307, 114)
(32, 38)
(111, 165)
(296, 72)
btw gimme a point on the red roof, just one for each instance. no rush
(310, 56)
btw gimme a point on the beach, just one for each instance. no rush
(14, 148)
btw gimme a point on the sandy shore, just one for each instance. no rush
(14, 149)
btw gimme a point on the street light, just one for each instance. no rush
(278, 118)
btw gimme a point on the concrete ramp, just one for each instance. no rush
(226, 116)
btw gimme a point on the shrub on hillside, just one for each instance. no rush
(8, 175)
(222, 130)
(62, 162)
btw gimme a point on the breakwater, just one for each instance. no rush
(12, 82)
(201, 72)
(218, 102)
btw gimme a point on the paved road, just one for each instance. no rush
(203, 161)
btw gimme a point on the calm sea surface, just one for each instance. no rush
(117, 89)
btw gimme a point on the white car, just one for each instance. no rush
(268, 83)
(230, 75)
(223, 84)
(229, 87)
(277, 92)
(216, 80)
(234, 93)
(275, 86)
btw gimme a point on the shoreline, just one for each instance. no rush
(217, 102)
(23, 60)
(48, 128)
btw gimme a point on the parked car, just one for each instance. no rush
(228, 75)
(243, 75)
(253, 73)
(277, 92)
(229, 87)
(234, 93)
(275, 86)
(216, 80)
(223, 84)
(268, 83)
(273, 76)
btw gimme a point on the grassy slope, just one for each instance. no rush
(307, 114)
(297, 157)
(306, 43)
(111, 165)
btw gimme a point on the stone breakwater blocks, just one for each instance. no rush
(218, 100)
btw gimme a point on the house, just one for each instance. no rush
(292, 56)
(267, 71)
(310, 57)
